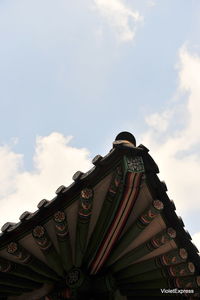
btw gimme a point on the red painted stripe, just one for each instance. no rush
(127, 188)
(119, 225)
(119, 228)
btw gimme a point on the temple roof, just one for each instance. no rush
(113, 231)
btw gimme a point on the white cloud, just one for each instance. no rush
(10, 164)
(161, 119)
(151, 3)
(177, 154)
(55, 161)
(120, 17)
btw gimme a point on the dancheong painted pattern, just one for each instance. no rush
(112, 234)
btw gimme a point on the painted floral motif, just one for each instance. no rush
(183, 253)
(59, 216)
(38, 231)
(174, 257)
(86, 193)
(85, 209)
(12, 248)
(19, 252)
(41, 239)
(182, 269)
(158, 205)
(171, 232)
(61, 225)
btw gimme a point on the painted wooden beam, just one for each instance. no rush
(15, 281)
(170, 258)
(146, 248)
(46, 246)
(63, 238)
(107, 213)
(84, 214)
(19, 270)
(31, 261)
(123, 203)
(184, 269)
(140, 224)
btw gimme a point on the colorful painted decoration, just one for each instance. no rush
(41, 238)
(152, 212)
(183, 269)
(61, 225)
(162, 238)
(62, 234)
(85, 209)
(135, 164)
(187, 282)
(20, 253)
(92, 241)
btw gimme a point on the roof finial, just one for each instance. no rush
(126, 137)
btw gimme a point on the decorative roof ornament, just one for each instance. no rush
(112, 233)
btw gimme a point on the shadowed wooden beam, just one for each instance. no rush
(63, 238)
(184, 269)
(12, 290)
(140, 224)
(8, 267)
(110, 204)
(15, 281)
(133, 170)
(46, 246)
(104, 284)
(31, 261)
(188, 282)
(84, 214)
(129, 197)
(147, 247)
(174, 257)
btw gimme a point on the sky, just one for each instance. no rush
(73, 74)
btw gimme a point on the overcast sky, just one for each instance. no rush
(73, 74)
